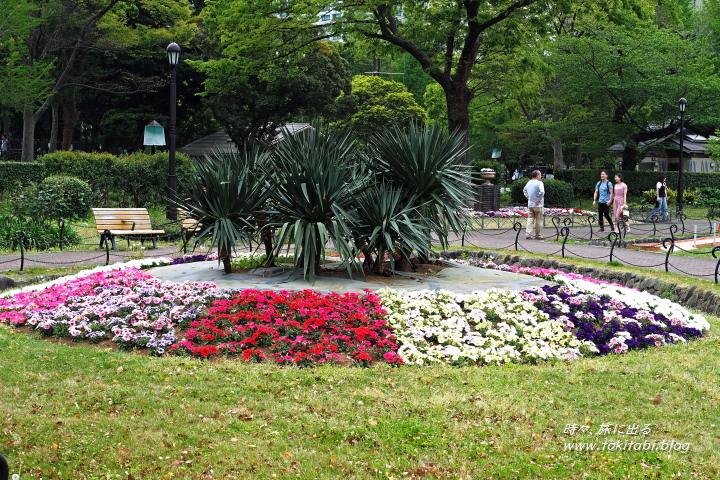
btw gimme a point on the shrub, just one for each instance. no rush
(557, 193)
(584, 180)
(14, 175)
(55, 198)
(708, 196)
(138, 180)
(40, 236)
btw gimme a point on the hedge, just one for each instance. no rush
(137, 180)
(14, 175)
(557, 192)
(584, 180)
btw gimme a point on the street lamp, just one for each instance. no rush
(173, 51)
(682, 102)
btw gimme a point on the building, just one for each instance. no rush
(663, 154)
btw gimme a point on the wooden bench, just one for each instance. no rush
(126, 222)
(189, 227)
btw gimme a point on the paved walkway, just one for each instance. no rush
(702, 266)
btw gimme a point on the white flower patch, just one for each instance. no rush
(493, 327)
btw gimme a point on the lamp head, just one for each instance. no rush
(173, 51)
(682, 102)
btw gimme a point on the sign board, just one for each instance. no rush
(154, 134)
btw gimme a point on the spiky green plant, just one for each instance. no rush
(427, 163)
(386, 223)
(315, 181)
(227, 190)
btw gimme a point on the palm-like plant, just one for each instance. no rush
(315, 181)
(427, 163)
(225, 193)
(386, 223)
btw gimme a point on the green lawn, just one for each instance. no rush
(74, 411)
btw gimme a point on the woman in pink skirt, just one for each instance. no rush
(619, 199)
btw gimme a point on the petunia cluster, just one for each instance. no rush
(128, 307)
(492, 327)
(302, 328)
(618, 323)
(510, 212)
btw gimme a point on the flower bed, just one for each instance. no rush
(302, 328)
(511, 212)
(577, 318)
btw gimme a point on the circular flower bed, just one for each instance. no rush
(578, 317)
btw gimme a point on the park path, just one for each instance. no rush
(701, 266)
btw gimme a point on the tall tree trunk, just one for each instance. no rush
(28, 140)
(54, 107)
(578, 152)
(71, 115)
(629, 160)
(558, 160)
(458, 98)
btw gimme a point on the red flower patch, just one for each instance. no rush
(304, 328)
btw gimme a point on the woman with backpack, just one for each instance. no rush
(604, 194)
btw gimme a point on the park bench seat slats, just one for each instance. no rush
(125, 221)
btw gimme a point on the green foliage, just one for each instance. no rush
(584, 180)
(387, 223)
(227, 190)
(138, 180)
(40, 235)
(55, 198)
(708, 196)
(374, 105)
(557, 193)
(314, 184)
(15, 175)
(427, 162)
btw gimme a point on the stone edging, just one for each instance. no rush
(688, 296)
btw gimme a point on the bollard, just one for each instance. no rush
(21, 241)
(695, 237)
(61, 224)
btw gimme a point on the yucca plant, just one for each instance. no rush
(427, 163)
(386, 222)
(315, 181)
(227, 190)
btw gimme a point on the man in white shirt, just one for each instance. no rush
(535, 193)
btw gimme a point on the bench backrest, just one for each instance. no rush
(121, 219)
(187, 222)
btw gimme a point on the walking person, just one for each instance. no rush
(4, 147)
(535, 193)
(661, 199)
(620, 200)
(603, 197)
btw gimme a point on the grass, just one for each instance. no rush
(70, 411)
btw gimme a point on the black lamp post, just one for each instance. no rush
(173, 51)
(682, 102)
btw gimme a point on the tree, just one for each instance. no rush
(253, 105)
(374, 104)
(639, 76)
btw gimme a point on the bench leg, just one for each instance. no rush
(112, 240)
(154, 239)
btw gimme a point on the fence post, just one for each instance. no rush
(714, 230)
(591, 219)
(710, 216)
(614, 238)
(556, 224)
(183, 236)
(682, 217)
(106, 236)
(61, 224)
(717, 265)
(21, 241)
(517, 226)
(673, 231)
(565, 233)
(669, 249)
(654, 219)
